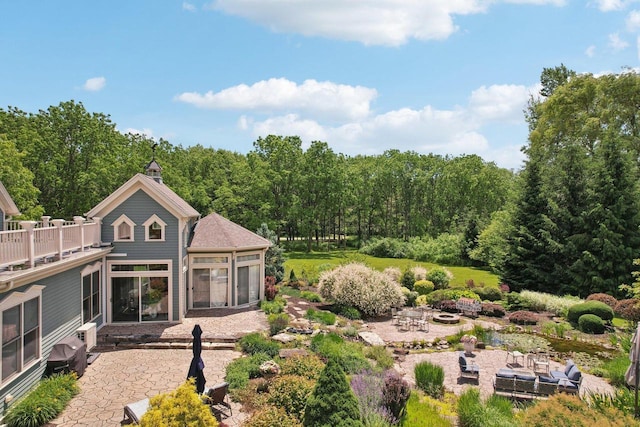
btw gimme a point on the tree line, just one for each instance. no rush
(64, 160)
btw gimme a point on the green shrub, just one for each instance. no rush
(386, 248)
(44, 403)
(451, 294)
(410, 297)
(350, 313)
(275, 306)
(591, 324)
(332, 402)
(523, 317)
(439, 278)
(257, 343)
(430, 378)
(310, 296)
(348, 355)
(277, 322)
(324, 317)
(240, 370)
(290, 392)
(271, 416)
(309, 366)
(421, 414)
(408, 279)
(600, 309)
(182, 407)
(515, 302)
(489, 293)
(496, 411)
(423, 287)
(493, 310)
(381, 355)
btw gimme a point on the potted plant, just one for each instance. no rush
(469, 343)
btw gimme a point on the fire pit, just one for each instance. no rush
(446, 318)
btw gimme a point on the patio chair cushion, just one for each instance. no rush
(568, 366)
(558, 374)
(549, 380)
(505, 373)
(574, 374)
(462, 361)
(525, 377)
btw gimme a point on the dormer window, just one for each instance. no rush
(154, 229)
(123, 229)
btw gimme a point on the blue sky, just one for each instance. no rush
(449, 77)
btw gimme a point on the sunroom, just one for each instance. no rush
(225, 265)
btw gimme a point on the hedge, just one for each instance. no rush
(600, 309)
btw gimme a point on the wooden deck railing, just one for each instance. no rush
(37, 241)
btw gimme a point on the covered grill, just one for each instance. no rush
(69, 354)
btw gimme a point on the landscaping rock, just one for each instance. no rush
(291, 352)
(371, 338)
(283, 338)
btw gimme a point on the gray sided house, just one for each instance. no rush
(141, 255)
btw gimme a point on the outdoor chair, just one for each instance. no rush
(468, 369)
(133, 412)
(218, 400)
(395, 317)
(547, 385)
(541, 363)
(422, 323)
(504, 382)
(515, 355)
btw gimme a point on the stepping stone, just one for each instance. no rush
(371, 338)
(283, 338)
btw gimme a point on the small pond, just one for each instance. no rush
(531, 342)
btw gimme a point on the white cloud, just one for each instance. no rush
(590, 51)
(94, 84)
(371, 22)
(148, 133)
(427, 130)
(322, 98)
(633, 20)
(188, 6)
(610, 5)
(616, 43)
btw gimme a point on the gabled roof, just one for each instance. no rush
(6, 202)
(157, 191)
(215, 232)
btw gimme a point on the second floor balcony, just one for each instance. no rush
(24, 244)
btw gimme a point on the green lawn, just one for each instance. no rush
(309, 264)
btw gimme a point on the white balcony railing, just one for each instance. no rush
(38, 241)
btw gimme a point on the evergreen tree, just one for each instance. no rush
(612, 238)
(274, 258)
(332, 403)
(529, 262)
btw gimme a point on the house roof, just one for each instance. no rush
(6, 202)
(158, 191)
(215, 232)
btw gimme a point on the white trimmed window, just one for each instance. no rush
(20, 324)
(154, 229)
(123, 229)
(91, 292)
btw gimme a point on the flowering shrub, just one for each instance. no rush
(419, 272)
(396, 393)
(368, 389)
(394, 273)
(523, 317)
(356, 285)
(504, 288)
(472, 339)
